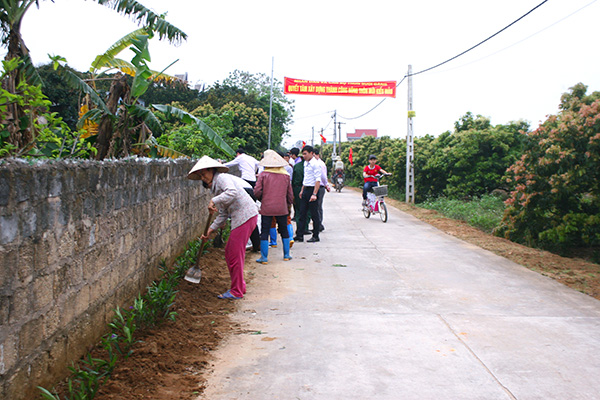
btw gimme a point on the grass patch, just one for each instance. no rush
(484, 213)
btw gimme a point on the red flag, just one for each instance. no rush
(303, 143)
(323, 139)
(350, 156)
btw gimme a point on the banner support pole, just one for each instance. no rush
(271, 101)
(333, 153)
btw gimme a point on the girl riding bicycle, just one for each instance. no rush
(369, 175)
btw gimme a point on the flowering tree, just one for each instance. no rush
(556, 196)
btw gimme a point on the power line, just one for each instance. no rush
(456, 56)
(323, 113)
(377, 105)
(526, 38)
(483, 41)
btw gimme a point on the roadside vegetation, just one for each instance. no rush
(550, 176)
(484, 212)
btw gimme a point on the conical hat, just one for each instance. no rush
(272, 160)
(204, 163)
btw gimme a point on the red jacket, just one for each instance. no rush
(371, 173)
(274, 192)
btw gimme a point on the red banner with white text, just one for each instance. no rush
(320, 88)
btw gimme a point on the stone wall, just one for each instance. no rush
(78, 239)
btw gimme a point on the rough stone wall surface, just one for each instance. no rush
(78, 239)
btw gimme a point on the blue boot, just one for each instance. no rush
(273, 237)
(264, 252)
(286, 249)
(291, 234)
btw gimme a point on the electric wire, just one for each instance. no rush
(483, 41)
(456, 56)
(323, 113)
(524, 39)
(377, 105)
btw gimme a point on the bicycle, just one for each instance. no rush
(375, 200)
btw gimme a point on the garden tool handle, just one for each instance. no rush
(209, 221)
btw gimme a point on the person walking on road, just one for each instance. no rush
(309, 195)
(274, 190)
(230, 201)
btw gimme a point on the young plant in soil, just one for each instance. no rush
(148, 310)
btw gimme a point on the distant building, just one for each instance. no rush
(200, 86)
(360, 133)
(182, 77)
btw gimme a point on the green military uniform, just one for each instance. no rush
(297, 178)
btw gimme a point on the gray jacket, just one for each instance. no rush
(232, 201)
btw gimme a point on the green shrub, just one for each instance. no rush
(484, 213)
(556, 200)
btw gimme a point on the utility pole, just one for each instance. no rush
(340, 142)
(271, 101)
(410, 147)
(321, 141)
(333, 153)
(312, 138)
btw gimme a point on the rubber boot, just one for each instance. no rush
(286, 249)
(273, 237)
(264, 252)
(291, 234)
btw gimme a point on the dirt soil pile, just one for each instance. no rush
(169, 361)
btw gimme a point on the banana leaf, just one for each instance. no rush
(189, 119)
(95, 114)
(161, 150)
(77, 83)
(147, 117)
(107, 59)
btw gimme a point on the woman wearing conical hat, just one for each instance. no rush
(274, 190)
(230, 201)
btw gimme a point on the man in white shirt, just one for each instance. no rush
(324, 186)
(248, 166)
(309, 196)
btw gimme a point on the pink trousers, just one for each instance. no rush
(235, 254)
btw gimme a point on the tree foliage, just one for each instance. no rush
(12, 13)
(250, 94)
(471, 161)
(556, 196)
(259, 85)
(64, 98)
(43, 131)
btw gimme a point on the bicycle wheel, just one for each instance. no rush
(383, 211)
(366, 211)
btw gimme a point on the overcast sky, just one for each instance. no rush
(519, 74)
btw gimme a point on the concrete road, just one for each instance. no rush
(400, 310)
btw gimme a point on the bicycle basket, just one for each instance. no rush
(380, 190)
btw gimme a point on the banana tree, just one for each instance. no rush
(12, 13)
(122, 121)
